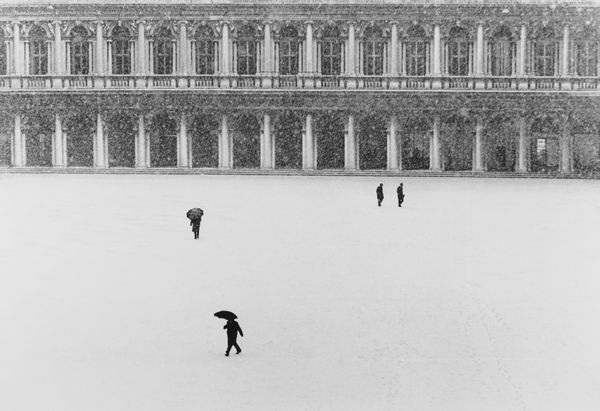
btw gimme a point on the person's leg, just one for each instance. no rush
(229, 345)
(237, 347)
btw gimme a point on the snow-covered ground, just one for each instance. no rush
(478, 294)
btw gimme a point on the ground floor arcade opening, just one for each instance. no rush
(162, 136)
(415, 139)
(6, 135)
(500, 142)
(287, 132)
(204, 139)
(372, 137)
(329, 131)
(246, 141)
(79, 132)
(120, 132)
(38, 129)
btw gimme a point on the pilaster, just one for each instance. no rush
(141, 67)
(183, 159)
(393, 160)
(308, 145)
(100, 154)
(351, 69)
(522, 163)
(437, 62)
(19, 159)
(350, 152)
(225, 158)
(141, 159)
(266, 144)
(435, 164)
(58, 143)
(478, 148)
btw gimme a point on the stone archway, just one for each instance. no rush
(288, 141)
(372, 143)
(120, 135)
(501, 137)
(329, 131)
(204, 138)
(457, 143)
(162, 137)
(415, 137)
(544, 146)
(246, 141)
(37, 128)
(79, 130)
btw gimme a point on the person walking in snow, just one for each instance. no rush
(379, 194)
(232, 328)
(400, 192)
(195, 223)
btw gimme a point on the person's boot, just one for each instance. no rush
(239, 352)
(226, 354)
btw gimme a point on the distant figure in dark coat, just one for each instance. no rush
(195, 223)
(379, 194)
(232, 328)
(400, 192)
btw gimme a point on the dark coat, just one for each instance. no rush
(233, 328)
(380, 192)
(400, 192)
(195, 223)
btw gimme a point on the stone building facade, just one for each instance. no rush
(340, 86)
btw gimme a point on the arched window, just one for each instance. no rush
(331, 52)
(502, 52)
(545, 53)
(121, 51)
(288, 51)
(204, 50)
(374, 47)
(80, 51)
(246, 51)
(3, 54)
(38, 52)
(586, 55)
(459, 52)
(163, 51)
(416, 52)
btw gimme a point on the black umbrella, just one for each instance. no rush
(226, 315)
(195, 213)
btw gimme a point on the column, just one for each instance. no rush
(309, 80)
(478, 152)
(394, 83)
(435, 164)
(183, 55)
(268, 60)
(350, 152)
(565, 72)
(59, 154)
(141, 160)
(351, 69)
(99, 144)
(308, 145)
(18, 150)
(521, 72)
(224, 145)
(437, 53)
(141, 69)
(59, 65)
(565, 147)
(183, 159)
(522, 165)
(393, 163)
(99, 81)
(19, 63)
(225, 57)
(479, 81)
(266, 144)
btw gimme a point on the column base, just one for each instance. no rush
(566, 85)
(57, 82)
(523, 85)
(394, 83)
(436, 84)
(351, 83)
(479, 85)
(140, 82)
(99, 82)
(182, 83)
(267, 81)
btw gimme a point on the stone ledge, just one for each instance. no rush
(284, 172)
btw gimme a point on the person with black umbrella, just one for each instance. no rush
(232, 328)
(195, 216)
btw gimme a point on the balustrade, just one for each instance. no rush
(497, 83)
